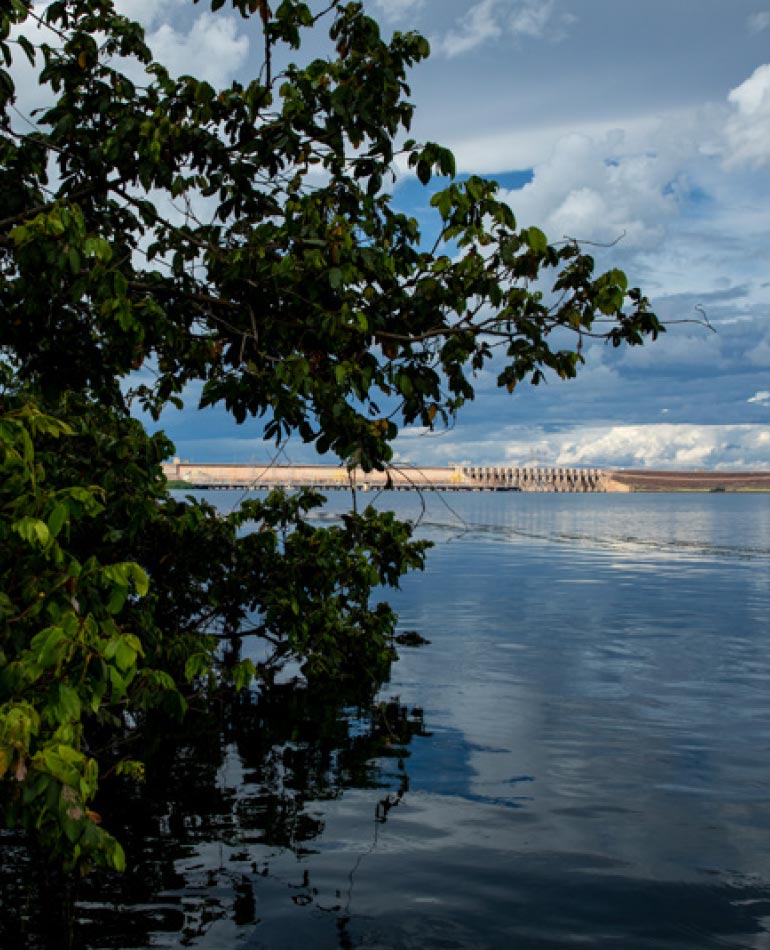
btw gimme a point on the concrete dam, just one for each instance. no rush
(399, 478)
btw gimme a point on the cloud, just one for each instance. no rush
(762, 398)
(759, 21)
(490, 20)
(480, 24)
(148, 12)
(659, 445)
(759, 355)
(669, 446)
(538, 19)
(678, 354)
(751, 96)
(677, 188)
(748, 130)
(212, 49)
(589, 190)
(653, 446)
(30, 93)
(395, 9)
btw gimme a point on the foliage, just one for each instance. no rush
(157, 233)
(88, 647)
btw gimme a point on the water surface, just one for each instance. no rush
(580, 757)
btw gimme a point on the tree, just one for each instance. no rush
(244, 240)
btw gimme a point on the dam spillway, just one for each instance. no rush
(398, 477)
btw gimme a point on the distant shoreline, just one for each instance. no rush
(661, 480)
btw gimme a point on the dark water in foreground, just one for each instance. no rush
(579, 759)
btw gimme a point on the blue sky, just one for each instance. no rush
(600, 118)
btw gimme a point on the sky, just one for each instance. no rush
(601, 119)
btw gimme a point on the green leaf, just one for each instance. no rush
(50, 646)
(116, 856)
(196, 665)
(443, 201)
(28, 48)
(57, 518)
(125, 573)
(119, 684)
(66, 703)
(62, 762)
(618, 278)
(536, 239)
(117, 600)
(242, 674)
(125, 655)
(140, 579)
(33, 530)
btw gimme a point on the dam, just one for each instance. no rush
(206, 475)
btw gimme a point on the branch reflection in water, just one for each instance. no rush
(219, 835)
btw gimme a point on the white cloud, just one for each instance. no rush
(30, 94)
(148, 12)
(748, 130)
(659, 445)
(683, 446)
(502, 149)
(489, 20)
(654, 445)
(762, 398)
(674, 185)
(395, 9)
(759, 21)
(751, 96)
(538, 19)
(675, 446)
(480, 23)
(212, 50)
(589, 191)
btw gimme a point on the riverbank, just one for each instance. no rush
(638, 480)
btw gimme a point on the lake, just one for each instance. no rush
(579, 758)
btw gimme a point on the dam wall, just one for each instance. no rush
(401, 478)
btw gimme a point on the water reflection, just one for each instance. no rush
(227, 796)
(673, 526)
(590, 767)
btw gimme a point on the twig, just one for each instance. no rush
(704, 322)
(580, 243)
